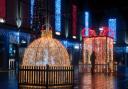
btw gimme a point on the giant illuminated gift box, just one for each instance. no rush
(101, 45)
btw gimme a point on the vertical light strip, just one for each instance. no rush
(80, 37)
(66, 29)
(58, 15)
(32, 10)
(86, 23)
(74, 19)
(2, 9)
(112, 28)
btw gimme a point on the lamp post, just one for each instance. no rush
(18, 22)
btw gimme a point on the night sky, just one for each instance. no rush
(104, 9)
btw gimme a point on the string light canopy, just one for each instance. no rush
(45, 50)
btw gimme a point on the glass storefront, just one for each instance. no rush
(11, 43)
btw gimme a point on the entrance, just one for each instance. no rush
(11, 63)
(13, 55)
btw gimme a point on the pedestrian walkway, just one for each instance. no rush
(102, 81)
(8, 80)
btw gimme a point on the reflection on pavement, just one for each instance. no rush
(8, 80)
(99, 81)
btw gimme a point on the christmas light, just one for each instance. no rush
(86, 23)
(32, 9)
(58, 15)
(102, 46)
(112, 28)
(46, 50)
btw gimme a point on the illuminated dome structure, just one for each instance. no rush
(45, 50)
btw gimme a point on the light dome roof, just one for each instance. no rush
(46, 50)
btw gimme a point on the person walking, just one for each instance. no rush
(92, 59)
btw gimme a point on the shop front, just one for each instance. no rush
(12, 45)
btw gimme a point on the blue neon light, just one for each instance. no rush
(66, 30)
(112, 27)
(58, 15)
(32, 10)
(86, 23)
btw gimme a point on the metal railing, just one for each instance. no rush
(46, 77)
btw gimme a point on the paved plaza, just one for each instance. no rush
(8, 80)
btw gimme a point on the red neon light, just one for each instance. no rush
(2, 9)
(92, 33)
(104, 32)
(74, 19)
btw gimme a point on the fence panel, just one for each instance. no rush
(46, 76)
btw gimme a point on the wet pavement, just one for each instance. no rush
(8, 80)
(102, 81)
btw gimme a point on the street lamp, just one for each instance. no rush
(18, 23)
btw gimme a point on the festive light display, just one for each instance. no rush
(37, 20)
(86, 23)
(91, 33)
(112, 27)
(32, 10)
(58, 15)
(102, 46)
(104, 31)
(74, 19)
(46, 50)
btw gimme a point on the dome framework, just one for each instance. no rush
(45, 50)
